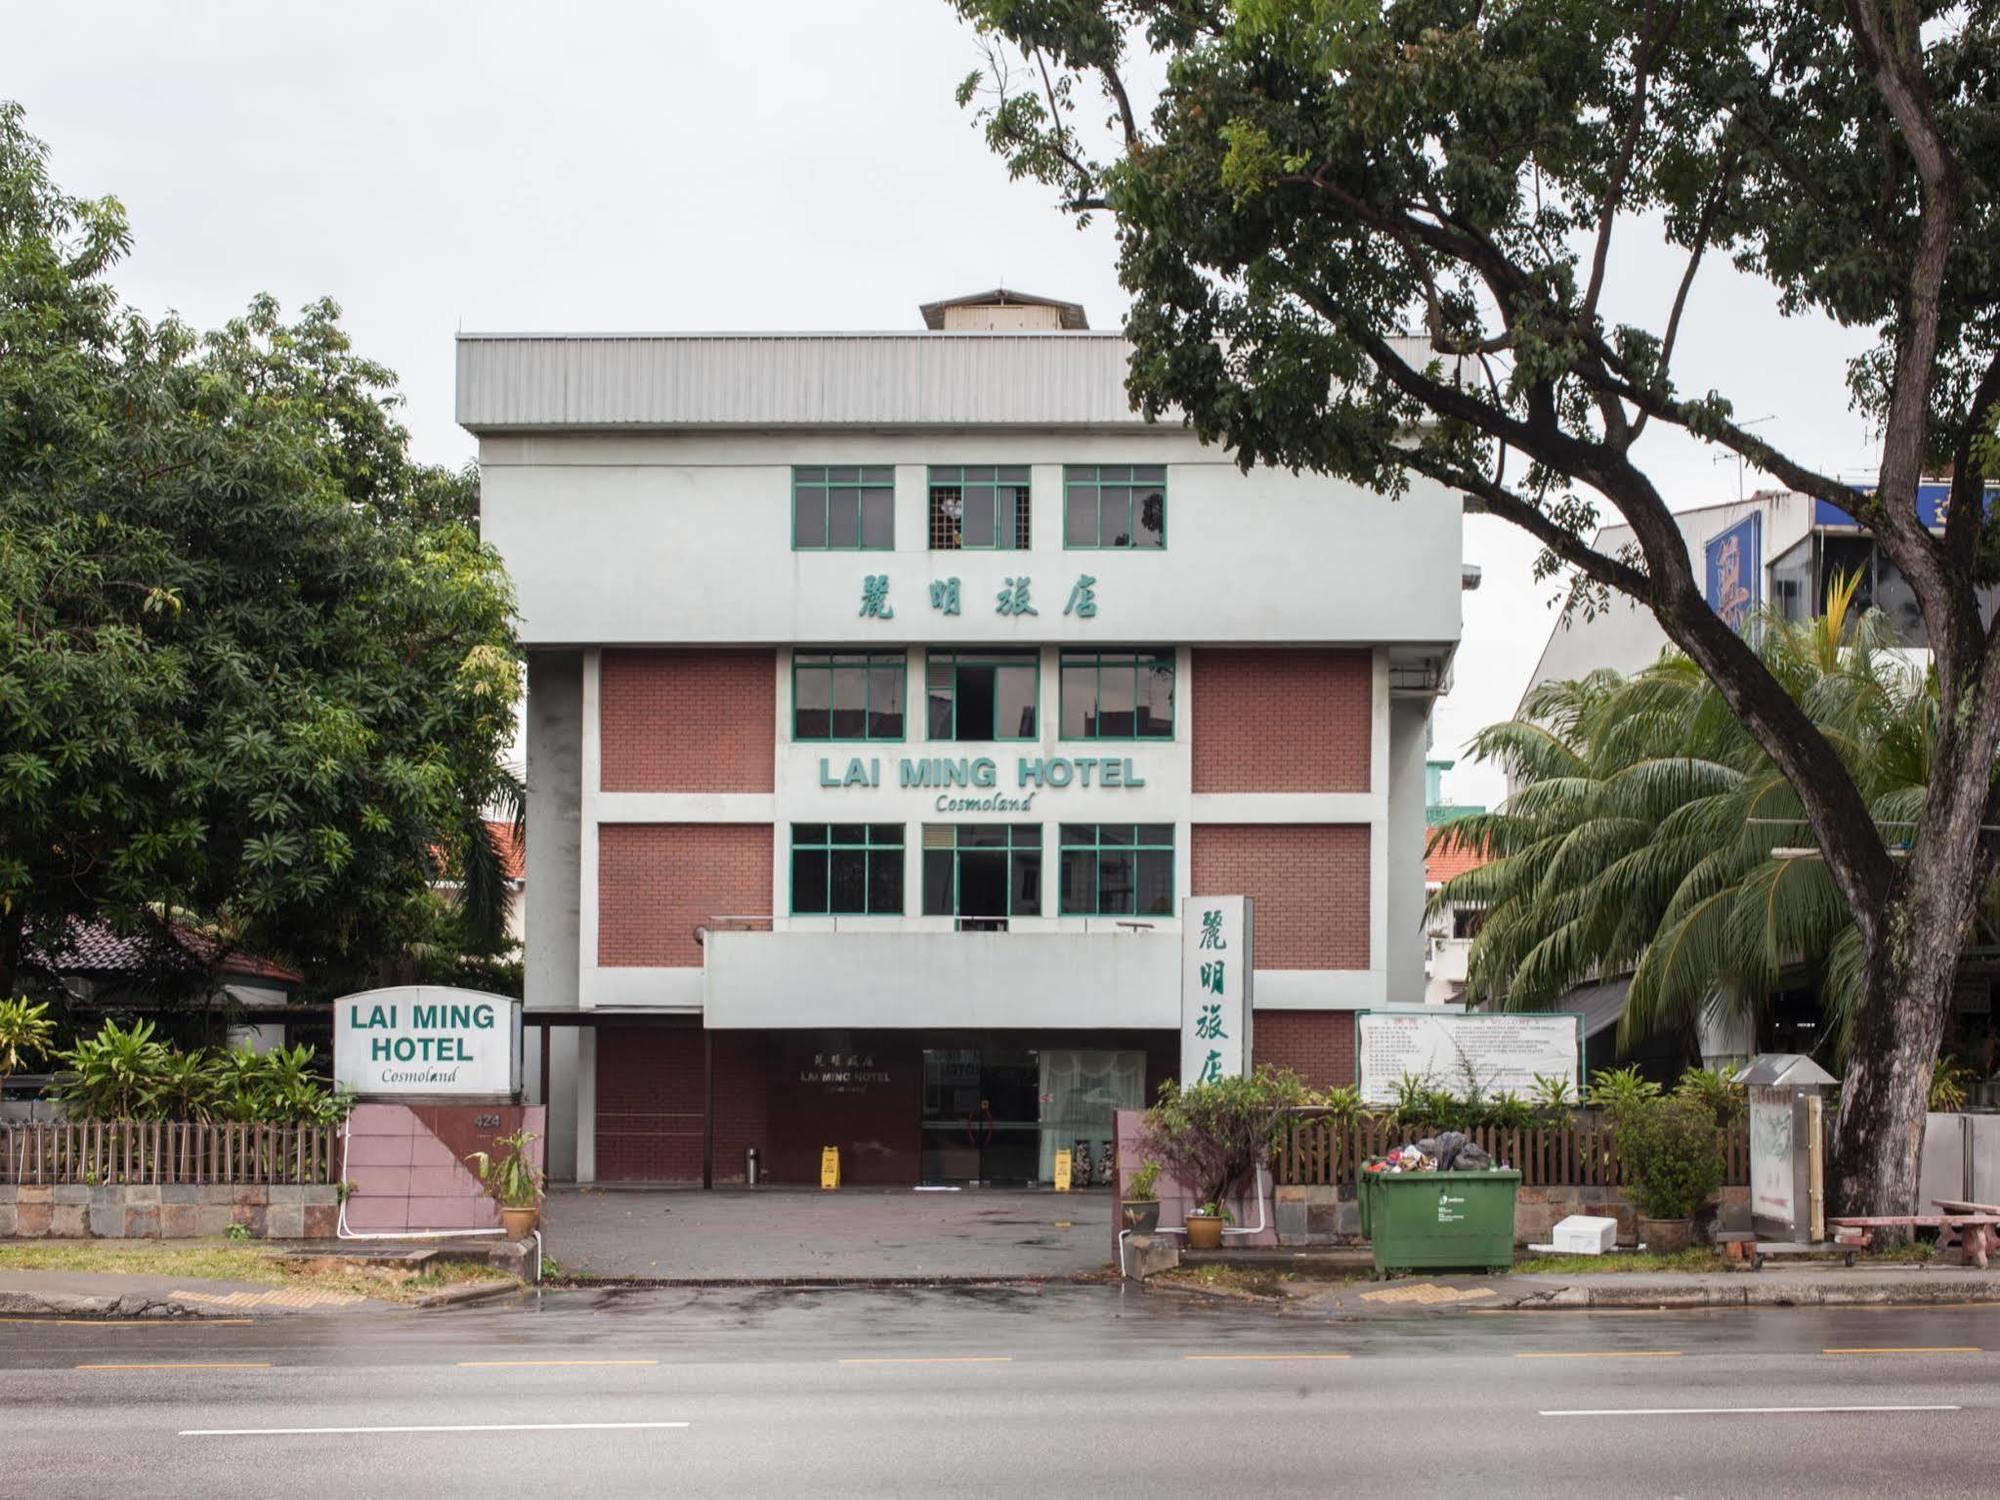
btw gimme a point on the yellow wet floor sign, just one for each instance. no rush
(1062, 1171)
(829, 1167)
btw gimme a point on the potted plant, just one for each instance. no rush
(513, 1181)
(1673, 1160)
(1142, 1203)
(1214, 1136)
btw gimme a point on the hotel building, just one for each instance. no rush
(886, 694)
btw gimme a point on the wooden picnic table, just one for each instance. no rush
(1973, 1228)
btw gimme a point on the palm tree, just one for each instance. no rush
(1648, 833)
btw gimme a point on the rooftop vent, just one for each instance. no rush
(1002, 311)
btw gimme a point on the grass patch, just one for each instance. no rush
(1240, 1281)
(1620, 1260)
(260, 1265)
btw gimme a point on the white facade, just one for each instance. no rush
(640, 490)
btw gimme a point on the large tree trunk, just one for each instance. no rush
(1880, 1129)
(1910, 976)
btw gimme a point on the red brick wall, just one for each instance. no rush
(649, 1103)
(688, 721)
(1318, 1045)
(657, 882)
(1310, 881)
(1273, 720)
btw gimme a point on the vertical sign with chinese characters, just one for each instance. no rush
(1215, 988)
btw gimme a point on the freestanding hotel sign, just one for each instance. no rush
(427, 1041)
(1215, 987)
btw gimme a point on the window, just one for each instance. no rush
(843, 509)
(979, 508)
(1118, 695)
(983, 873)
(847, 869)
(1117, 869)
(1115, 505)
(847, 695)
(982, 696)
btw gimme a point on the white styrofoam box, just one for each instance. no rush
(1580, 1234)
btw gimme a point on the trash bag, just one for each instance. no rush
(1472, 1158)
(1449, 1144)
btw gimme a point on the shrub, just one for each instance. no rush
(1142, 1188)
(25, 1032)
(1618, 1090)
(123, 1073)
(1214, 1135)
(1670, 1151)
(1716, 1090)
(510, 1177)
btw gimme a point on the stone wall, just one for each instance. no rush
(1328, 1215)
(166, 1212)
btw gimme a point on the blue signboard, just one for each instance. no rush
(1736, 570)
(1931, 507)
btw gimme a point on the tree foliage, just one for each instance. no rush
(1376, 240)
(256, 668)
(1649, 833)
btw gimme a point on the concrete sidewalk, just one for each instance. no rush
(92, 1294)
(733, 1235)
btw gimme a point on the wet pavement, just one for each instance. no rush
(796, 1234)
(1056, 1389)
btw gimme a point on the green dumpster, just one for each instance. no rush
(1439, 1221)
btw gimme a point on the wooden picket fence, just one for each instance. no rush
(1316, 1149)
(104, 1152)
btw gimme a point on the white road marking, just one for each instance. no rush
(458, 1427)
(1729, 1411)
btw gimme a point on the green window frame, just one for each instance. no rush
(848, 697)
(843, 508)
(1116, 869)
(1116, 695)
(1119, 507)
(980, 508)
(847, 870)
(1012, 851)
(968, 695)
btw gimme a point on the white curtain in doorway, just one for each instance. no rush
(1080, 1090)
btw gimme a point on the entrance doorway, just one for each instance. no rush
(982, 1115)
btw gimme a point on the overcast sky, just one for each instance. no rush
(680, 165)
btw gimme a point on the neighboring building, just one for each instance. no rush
(887, 692)
(1448, 934)
(182, 971)
(1777, 547)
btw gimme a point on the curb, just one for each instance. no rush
(477, 1291)
(121, 1308)
(811, 1283)
(1754, 1294)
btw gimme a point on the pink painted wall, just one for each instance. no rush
(1177, 1197)
(407, 1166)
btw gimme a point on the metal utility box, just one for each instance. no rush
(1436, 1221)
(1787, 1157)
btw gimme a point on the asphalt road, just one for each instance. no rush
(1033, 1392)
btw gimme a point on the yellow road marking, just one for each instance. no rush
(545, 1364)
(1911, 1349)
(935, 1359)
(216, 1364)
(1604, 1354)
(1265, 1356)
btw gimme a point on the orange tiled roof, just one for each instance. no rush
(513, 849)
(1450, 858)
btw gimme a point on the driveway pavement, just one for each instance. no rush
(781, 1234)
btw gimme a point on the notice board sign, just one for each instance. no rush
(1503, 1052)
(427, 1041)
(1216, 934)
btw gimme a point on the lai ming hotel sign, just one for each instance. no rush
(423, 1041)
(981, 774)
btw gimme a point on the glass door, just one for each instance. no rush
(981, 1120)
